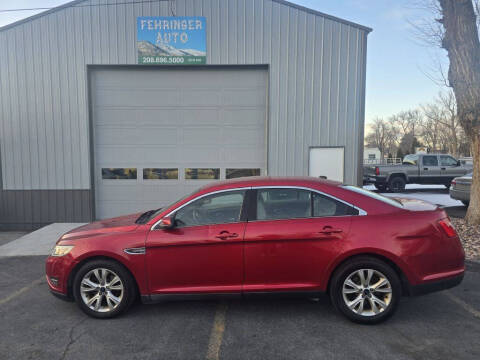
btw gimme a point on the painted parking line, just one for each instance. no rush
(22, 290)
(463, 304)
(216, 335)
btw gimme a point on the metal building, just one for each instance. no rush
(88, 130)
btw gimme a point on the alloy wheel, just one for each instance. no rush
(367, 292)
(101, 290)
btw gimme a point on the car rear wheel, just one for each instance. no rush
(366, 290)
(397, 184)
(103, 288)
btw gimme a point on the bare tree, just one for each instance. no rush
(380, 135)
(441, 115)
(461, 41)
(450, 119)
(431, 127)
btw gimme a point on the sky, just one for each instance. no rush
(400, 67)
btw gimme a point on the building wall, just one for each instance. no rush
(375, 151)
(316, 90)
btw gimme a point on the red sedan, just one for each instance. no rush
(253, 236)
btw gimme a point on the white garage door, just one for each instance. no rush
(161, 133)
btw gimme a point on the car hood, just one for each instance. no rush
(118, 224)
(416, 205)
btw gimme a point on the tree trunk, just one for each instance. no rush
(473, 212)
(454, 142)
(463, 47)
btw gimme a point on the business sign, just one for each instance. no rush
(171, 40)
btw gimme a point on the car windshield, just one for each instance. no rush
(375, 196)
(150, 214)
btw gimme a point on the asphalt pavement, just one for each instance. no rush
(36, 325)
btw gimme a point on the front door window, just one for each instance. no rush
(221, 208)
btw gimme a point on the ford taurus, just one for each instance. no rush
(251, 236)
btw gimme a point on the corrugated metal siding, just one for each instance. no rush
(316, 80)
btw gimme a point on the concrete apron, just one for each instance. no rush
(39, 242)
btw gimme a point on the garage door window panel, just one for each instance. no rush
(236, 173)
(119, 173)
(202, 174)
(223, 208)
(160, 174)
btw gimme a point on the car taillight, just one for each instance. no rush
(447, 227)
(377, 171)
(454, 182)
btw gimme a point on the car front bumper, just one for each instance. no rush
(57, 271)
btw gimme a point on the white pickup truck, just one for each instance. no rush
(415, 169)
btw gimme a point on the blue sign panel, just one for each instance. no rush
(171, 40)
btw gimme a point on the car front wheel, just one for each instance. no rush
(103, 288)
(366, 290)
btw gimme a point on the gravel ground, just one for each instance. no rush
(470, 236)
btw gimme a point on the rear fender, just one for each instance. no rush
(390, 176)
(378, 253)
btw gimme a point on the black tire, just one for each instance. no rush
(397, 184)
(128, 294)
(466, 203)
(447, 185)
(349, 268)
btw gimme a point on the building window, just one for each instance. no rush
(119, 173)
(202, 174)
(235, 173)
(160, 174)
(371, 156)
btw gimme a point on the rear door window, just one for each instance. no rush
(288, 203)
(430, 160)
(274, 204)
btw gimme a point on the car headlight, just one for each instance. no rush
(60, 250)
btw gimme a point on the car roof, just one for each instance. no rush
(252, 181)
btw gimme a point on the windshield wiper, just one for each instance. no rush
(142, 219)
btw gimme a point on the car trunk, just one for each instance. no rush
(416, 205)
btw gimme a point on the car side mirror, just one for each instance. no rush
(459, 163)
(168, 222)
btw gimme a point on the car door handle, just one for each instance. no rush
(327, 230)
(425, 168)
(223, 235)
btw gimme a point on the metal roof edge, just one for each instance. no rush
(283, 2)
(41, 14)
(327, 16)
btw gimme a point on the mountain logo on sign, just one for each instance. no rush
(146, 48)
